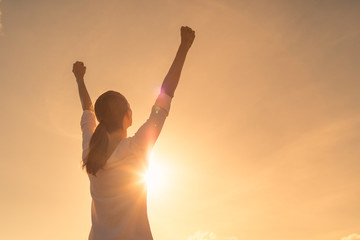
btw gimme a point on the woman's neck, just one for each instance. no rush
(117, 135)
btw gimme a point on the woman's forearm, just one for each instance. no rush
(172, 78)
(84, 95)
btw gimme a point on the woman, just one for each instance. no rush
(115, 162)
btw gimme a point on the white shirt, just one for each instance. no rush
(119, 206)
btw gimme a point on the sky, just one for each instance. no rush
(263, 136)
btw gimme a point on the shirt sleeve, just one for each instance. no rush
(145, 138)
(88, 125)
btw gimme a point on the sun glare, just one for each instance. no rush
(155, 178)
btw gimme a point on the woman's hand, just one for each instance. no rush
(79, 70)
(172, 78)
(187, 37)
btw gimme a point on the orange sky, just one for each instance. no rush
(263, 136)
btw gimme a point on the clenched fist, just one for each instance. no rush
(79, 70)
(187, 37)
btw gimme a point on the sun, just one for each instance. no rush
(155, 178)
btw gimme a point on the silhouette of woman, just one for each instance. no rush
(114, 162)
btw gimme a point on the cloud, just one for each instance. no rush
(231, 238)
(353, 236)
(199, 235)
(202, 236)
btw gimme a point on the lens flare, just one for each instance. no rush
(156, 178)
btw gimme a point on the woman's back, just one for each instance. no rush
(119, 207)
(119, 204)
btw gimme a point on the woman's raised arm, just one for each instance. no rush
(146, 136)
(79, 71)
(172, 78)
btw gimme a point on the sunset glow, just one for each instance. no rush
(154, 178)
(262, 140)
(157, 178)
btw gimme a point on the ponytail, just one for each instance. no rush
(97, 157)
(110, 109)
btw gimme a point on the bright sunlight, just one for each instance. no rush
(156, 177)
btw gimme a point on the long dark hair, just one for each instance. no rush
(110, 109)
